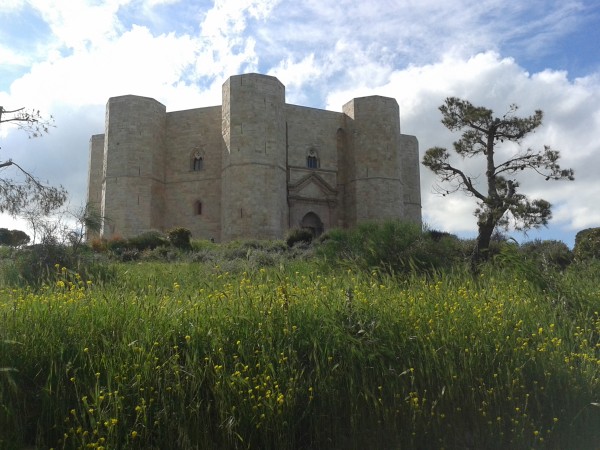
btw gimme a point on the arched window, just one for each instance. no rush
(312, 161)
(197, 162)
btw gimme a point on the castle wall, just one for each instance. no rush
(133, 188)
(193, 197)
(254, 200)
(95, 172)
(313, 131)
(312, 128)
(411, 179)
(374, 186)
(346, 209)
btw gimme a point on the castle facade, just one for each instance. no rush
(253, 167)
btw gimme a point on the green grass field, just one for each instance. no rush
(301, 356)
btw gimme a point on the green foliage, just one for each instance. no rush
(394, 247)
(147, 241)
(587, 244)
(180, 238)
(13, 238)
(297, 235)
(499, 202)
(24, 190)
(116, 244)
(193, 356)
(41, 263)
(548, 254)
(202, 244)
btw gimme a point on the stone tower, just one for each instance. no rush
(133, 187)
(253, 183)
(374, 160)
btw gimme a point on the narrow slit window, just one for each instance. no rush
(198, 208)
(198, 163)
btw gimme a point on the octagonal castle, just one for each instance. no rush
(254, 167)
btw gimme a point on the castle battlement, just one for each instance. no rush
(253, 167)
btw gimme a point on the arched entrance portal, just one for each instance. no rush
(313, 223)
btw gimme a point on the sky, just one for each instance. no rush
(67, 57)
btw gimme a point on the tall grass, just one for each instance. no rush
(192, 356)
(391, 246)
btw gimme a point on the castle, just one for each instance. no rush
(253, 167)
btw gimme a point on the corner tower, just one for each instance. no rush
(374, 187)
(254, 168)
(133, 178)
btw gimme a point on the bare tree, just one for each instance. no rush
(499, 203)
(25, 190)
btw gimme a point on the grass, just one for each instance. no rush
(299, 356)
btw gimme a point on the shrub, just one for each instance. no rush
(147, 241)
(44, 263)
(548, 254)
(395, 247)
(587, 244)
(180, 238)
(262, 258)
(202, 244)
(203, 256)
(129, 254)
(298, 235)
(116, 243)
(99, 245)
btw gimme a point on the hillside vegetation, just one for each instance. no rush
(375, 338)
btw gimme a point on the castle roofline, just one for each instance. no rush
(131, 96)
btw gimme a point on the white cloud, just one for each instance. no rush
(10, 6)
(76, 24)
(326, 54)
(570, 125)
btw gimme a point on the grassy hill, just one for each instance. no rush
(262, 347)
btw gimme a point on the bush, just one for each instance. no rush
(395, 247)
(587, 244)
(147, 241)
(99, 245)
(14, 238)
(202, 244)
(180, 238)
(298, 235)
(116, 244)
(45, 263)
(548, 254)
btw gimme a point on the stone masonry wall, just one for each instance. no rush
(133, 188)
(95, 171)
(374, 184)
(191, 132)
(254, 200)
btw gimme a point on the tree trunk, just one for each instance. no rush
(482, 245)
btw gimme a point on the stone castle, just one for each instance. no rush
(253, 167)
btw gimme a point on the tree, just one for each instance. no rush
(499, 203)
(16, 194)
(13, 238)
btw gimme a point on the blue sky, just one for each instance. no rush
(67, 57)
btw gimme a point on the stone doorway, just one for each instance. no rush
(313, 223)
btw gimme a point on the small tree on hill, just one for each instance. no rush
(13, 238)
(499, 203)
(16, 194)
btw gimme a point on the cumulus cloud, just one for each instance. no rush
(488, 51)
(570, 124)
